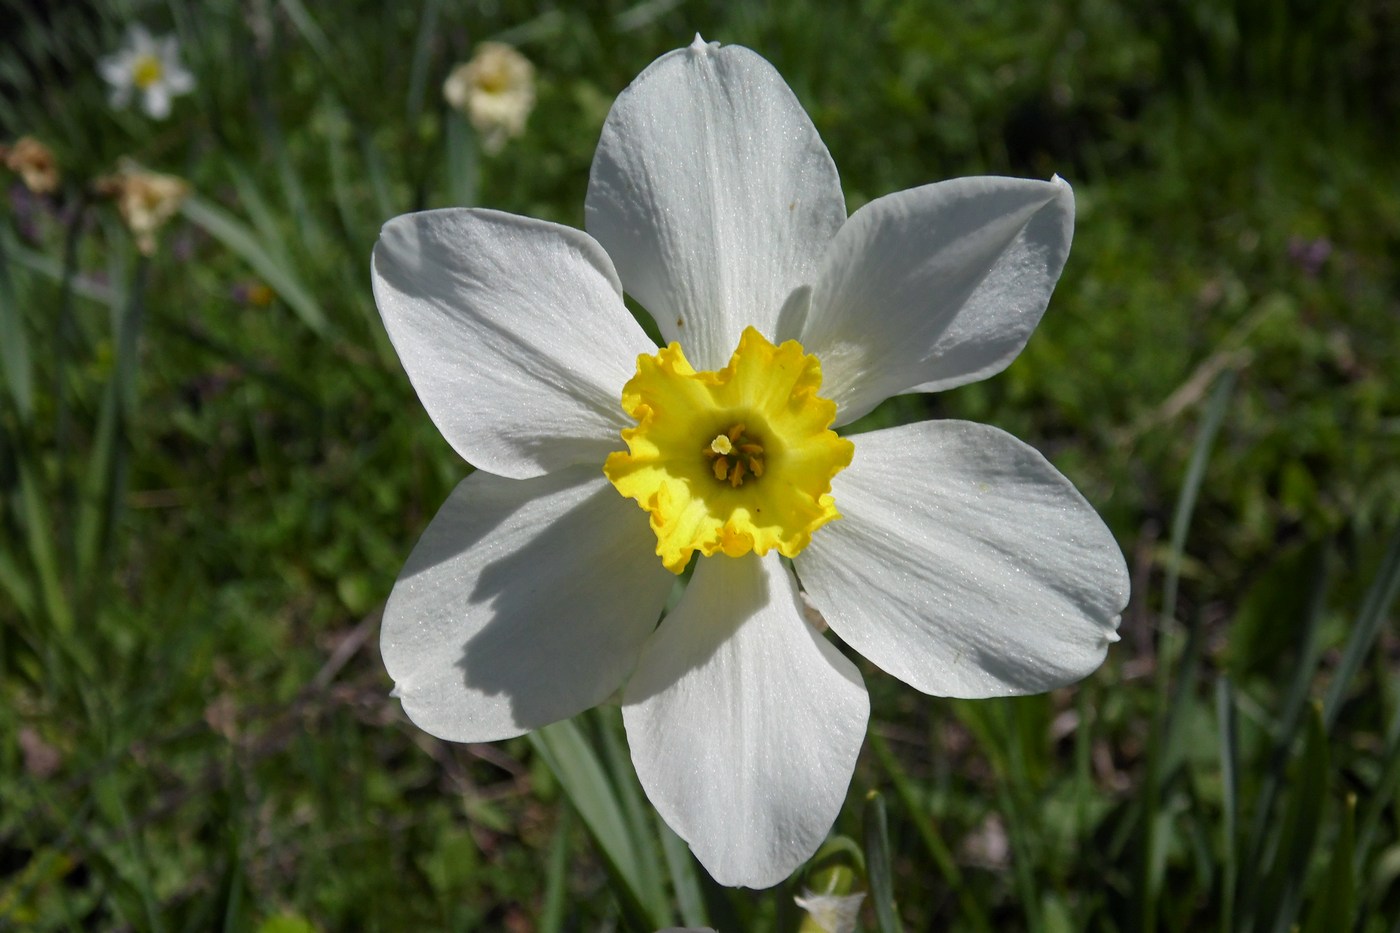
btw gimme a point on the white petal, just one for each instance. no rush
(744, 723)
(156, 100)
(964, 564)
(178, 79)
(514, 334)
(115, 69)
(140, 40)
(935, 287)
(525, 602)
(714, 195)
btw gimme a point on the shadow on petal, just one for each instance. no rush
(569, 611)
(526, 602)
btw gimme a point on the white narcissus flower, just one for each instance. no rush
(147, 66)
(496, 91)
(960, 561)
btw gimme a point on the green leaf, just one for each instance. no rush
(556, 876)
(463, 165)
(636, 811)
(878, 864)
(563, 747)
(103, 488)
(690, 900)
(914, 809)
(1162, 751)
(1264, 826)
(14, 348)
(1364, 632)
(422, 53)
(1299, 829)
(1230, 781)
(1335, 905)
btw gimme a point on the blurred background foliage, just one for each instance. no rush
(212, 468)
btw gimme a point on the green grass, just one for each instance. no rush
(204, 500)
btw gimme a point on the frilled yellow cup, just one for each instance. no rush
(730, 461)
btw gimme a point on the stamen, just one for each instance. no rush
(745, 453)
(736, 476)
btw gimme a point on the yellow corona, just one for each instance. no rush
(732, 460)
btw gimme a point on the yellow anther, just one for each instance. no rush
(736, 475)
(756, 465)
(721, 468)
(736, 432)
(721, 444)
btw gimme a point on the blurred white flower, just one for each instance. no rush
(146, 200)
(149, 67)
(496, 90)
(960, 561)
(834, 913)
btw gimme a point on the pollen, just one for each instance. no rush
(146, 71)
(734, 446)
(730, 461)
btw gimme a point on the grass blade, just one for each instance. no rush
(422, 54)
(1160, 757)
(556, 876)
(636, 812)
(236, 235)
(1191, 487)
(1382, 792)
(690, 900)
(1265, 824)
(101, 496)
(879, 864)
(462, 164)
(1364, 633)
(14, 349)
(1335, 908)
(938, 850)
(1230, 779)
(1302, 818)
(563, 747)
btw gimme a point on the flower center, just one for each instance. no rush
(734, 460)
(494, 81)
(146, 71)
(734, 455)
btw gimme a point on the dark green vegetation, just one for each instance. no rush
(204, 499)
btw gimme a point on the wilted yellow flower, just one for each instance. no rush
(496, 90)
(33, 162)
(145, 199)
